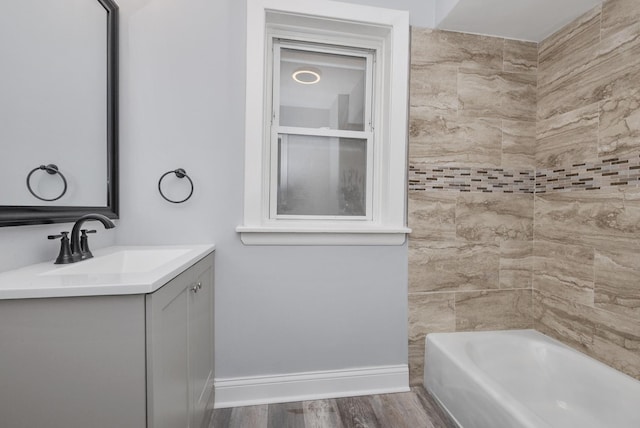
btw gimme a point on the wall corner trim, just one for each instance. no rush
(248, 391)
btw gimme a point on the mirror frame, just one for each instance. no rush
(14, 215)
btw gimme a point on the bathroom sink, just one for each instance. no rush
(118, 270)
(122, 262)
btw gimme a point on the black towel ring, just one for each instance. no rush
(180, 173)
(50, 169)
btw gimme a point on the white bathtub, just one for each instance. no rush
(522, 378)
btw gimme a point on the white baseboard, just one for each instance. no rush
(248, 391)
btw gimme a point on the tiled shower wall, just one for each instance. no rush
(587, 242)
(491, 120)
(472, 158)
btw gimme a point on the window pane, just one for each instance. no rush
(337, 98)
(321, 176)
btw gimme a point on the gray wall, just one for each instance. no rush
(422, 11)
(25, 245)
(279, 309)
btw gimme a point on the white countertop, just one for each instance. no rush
(50, 280)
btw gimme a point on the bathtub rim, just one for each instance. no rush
(511, 406)
(477, 377)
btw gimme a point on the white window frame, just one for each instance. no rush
(329, 23)
(302, 43)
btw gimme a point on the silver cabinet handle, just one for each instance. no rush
(199, 285)
(195, 288)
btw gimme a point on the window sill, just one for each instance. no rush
(274, 235)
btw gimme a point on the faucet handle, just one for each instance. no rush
(62, 235)
(84, 244)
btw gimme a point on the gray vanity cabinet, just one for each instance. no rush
(72, 362)
(130, 361)
(180, 349)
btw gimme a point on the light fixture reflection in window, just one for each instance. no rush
(306, 76)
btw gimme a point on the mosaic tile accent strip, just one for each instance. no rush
(490, 180)
(603, 174)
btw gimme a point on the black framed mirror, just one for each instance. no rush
(59, 111)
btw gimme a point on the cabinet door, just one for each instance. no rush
(71, 362)
(180, 349)
(201, 342)
(167, 357)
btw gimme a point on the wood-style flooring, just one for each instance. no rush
(415, 409)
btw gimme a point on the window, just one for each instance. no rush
(321, 132)
(325, 159)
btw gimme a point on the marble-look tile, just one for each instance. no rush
(609, 62)
(619, 15)
(568, 138)
(589, 218)
(617, 280)
(617, 53)
(520, 56)
(479, 93)
(518, 97)
(493, 94)
(574, 38)
(615, 77)
(564, 271)
(493, 217)
(447, 140)
(631, 197)
(516, 264)
(617, 341)
(432, 215)
(452, 266)
(606, 336)
(619, 70)
(563, 320)
(622, 330)
(430, 313)
(585, 88)
(619, 122)
(455, 49)
(564, 60)
(493, 310)
(625, 360)
(416, 363)
(434, 87)
(518, 144)
(613, 71)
